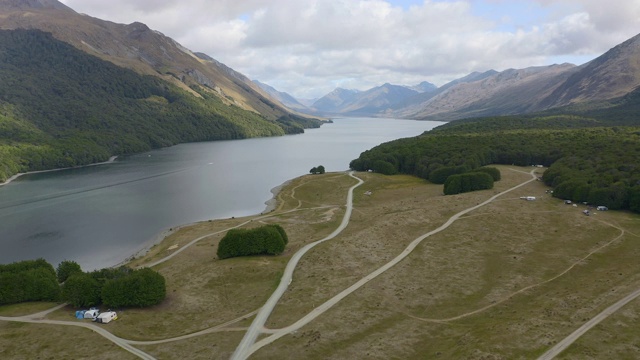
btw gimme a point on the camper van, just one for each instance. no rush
(107, 317)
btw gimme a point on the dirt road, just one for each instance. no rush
(562, 345)
(243, 349)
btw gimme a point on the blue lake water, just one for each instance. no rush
(100, 215)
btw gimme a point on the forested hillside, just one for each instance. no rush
(61, 107)
(593, 155)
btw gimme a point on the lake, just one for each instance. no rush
(100, 215)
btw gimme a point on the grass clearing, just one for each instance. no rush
(41, 341)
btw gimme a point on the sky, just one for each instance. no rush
(307, 48)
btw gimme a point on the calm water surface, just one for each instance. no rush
(100, 215)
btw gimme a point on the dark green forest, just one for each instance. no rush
(60, 107)
(592, 150)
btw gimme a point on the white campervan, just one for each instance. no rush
(107, 317)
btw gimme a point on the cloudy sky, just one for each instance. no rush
(309, 47)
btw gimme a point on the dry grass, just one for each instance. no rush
(40, 341)
(488, 287)
(25, 308)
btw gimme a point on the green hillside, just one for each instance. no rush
(593, 155)
(61, 107)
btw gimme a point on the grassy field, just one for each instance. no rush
(506, 281)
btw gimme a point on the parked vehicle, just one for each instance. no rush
(107, 317)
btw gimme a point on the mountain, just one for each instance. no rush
(518, 91)
(76, 90)
(334, 101)
(284, 98)
(376, 99)
(423, 87)
(137, 47)
(363, 103)
(408, 107)
(615, 73)
(512, 91)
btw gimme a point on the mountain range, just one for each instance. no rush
(490, 93)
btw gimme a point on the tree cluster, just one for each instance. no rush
(114, 287)
(317, 170)
(29, 280)
(591, 156)
(264, 240)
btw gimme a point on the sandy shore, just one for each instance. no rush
(111, 159)
(273, 202)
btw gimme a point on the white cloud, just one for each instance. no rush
(308, 47)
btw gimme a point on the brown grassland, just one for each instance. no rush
(506, 281)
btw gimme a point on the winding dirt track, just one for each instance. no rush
(245, 348)
(248, 347)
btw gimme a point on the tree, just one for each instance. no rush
(141, 288)
(384, 167)
(29, 280)
(81, 289)
(317, 170)
(472, 181)
(494, 172)
(66, 269)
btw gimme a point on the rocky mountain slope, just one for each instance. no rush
(284, 98)
(363, 103)
(512, 91)
(614, 74)
(517, 91)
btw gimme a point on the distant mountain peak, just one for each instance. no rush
(32, 4)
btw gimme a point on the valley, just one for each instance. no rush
(500, 281)
(541, 263)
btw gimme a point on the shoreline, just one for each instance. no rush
(12, 178)
(163, 234)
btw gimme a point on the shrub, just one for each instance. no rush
(268, 240)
